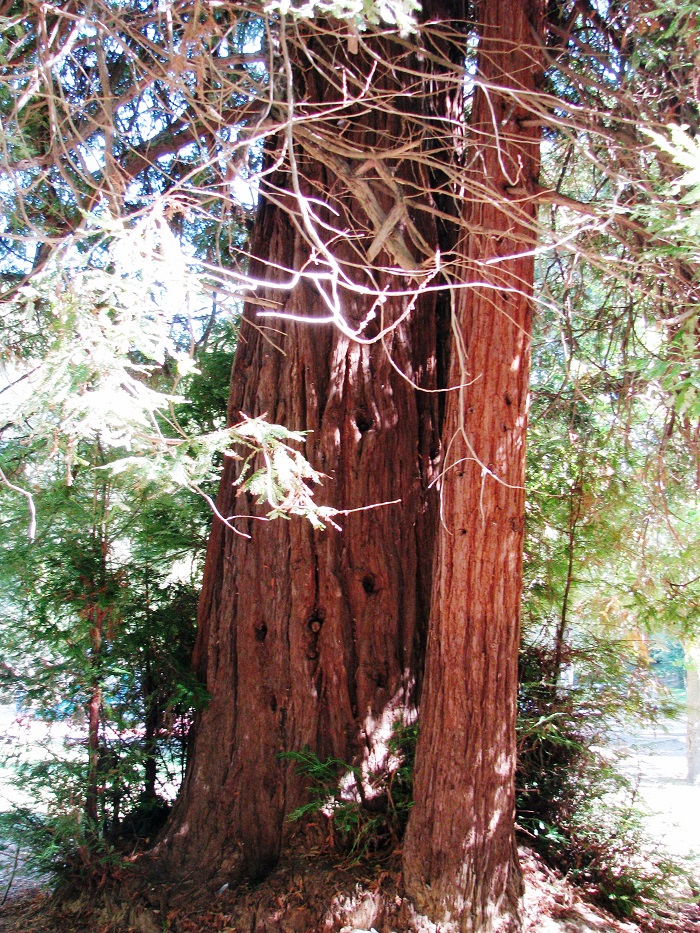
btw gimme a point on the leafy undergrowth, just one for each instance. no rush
(365, 812)
(307, 894)
(343, 871)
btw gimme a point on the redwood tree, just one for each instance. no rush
(460, 858)
(314, 638)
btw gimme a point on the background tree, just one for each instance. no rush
(100, 602)
(109, 637)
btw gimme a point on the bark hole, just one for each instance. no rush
(261, 632)
(371, 329)
(363, 421)
(314, 625)
(369, 584)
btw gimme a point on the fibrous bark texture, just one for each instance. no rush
(315, 638)
(460, 860)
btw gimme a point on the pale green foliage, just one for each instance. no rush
(90, 355)
(665, 590)
(281, 479)
(359, 13)
(87, 338)
(685, 152)
(673, 365)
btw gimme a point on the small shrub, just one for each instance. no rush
(62, 846)
(57, 838)
(366, 813)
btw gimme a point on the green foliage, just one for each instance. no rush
(207, 385)
(102, 602)
(91, 352)
(100, 606)
(59, 846)
(113, 418)
(280, 481)
(366, 812)
(601, 515)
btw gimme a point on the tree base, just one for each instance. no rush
(306, 893)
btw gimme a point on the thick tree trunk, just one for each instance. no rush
(460, 859)
(311, 638)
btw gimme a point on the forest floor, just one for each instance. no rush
(308, 896)
(312, 895)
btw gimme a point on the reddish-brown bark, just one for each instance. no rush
(311, 638)
(460, 859)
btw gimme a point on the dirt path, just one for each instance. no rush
(656, 760)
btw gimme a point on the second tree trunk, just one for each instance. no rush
(460, 858)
